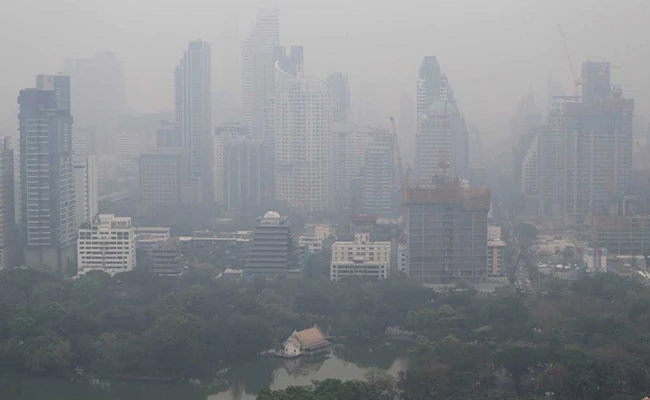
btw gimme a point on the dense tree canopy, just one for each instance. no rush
(582, 340)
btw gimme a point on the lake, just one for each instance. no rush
(242, 382)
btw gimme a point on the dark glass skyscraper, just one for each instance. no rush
(47, 181)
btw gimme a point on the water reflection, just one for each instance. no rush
(349, 362)
(242, 382)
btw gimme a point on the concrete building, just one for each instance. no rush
(447, 232)
(621, 234)
(8, 232)
(378, 176)
(98, 96)
(496, 251)
(348, 145)
(339, 89)
(147, 237)
(194, 112)
(406, 128)
(361, 258)
(165, 257)
(402, 258)
(162, 178)
(274, 252)
(258, 72)
(238, 168)
(441, 140)
(585, 155)
(441, 143)
(169, 135)
(47, 178)
(595, 259)
(230, 248)
(86, 188)
(300, 136)
(106, 244)
(311, 243)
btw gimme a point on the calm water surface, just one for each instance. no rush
(242, 382)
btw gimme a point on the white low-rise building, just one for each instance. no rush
(313, 244)
(106, 244)
(360, 258)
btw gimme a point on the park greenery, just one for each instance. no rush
(588, 339)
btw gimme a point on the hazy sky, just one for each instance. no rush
(491, 50)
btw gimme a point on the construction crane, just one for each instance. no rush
(404, 177)
(577, 81)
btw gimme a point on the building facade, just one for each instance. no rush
(194, 112)
(86, 188)
(238, 168)
(275, 252)
(47, 178)
(447, 232)
(622, 234)
(348, 145)
(161, 179)
(496, 251)
(585, 153)
(441, 140)
(98, 96)
(339, 89)
(106, 244)
(258, 72)
(300, 136)
(378, 176)
(8, 233)
(361, 258)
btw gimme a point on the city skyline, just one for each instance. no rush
(147, 88)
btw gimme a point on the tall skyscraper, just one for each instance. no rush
(47, 179)
(428, 85)
(8, 232)
(378, 176)
(348, 145)
(406, 128)
(98, 95)
(447, 232)
(339, 96)
(258, 75)
(194, 103)
(300, 135)
(585, 153)
(441, 141)
(238, 168)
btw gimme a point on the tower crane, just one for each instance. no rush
(577, 81)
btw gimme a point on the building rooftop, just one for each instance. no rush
(272, 215)
(312, 337)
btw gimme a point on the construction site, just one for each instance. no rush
(446, 224)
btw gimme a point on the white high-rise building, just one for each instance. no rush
(258, 58)
(106, 244)
(194, 109)
(300, 124)
(86, 194)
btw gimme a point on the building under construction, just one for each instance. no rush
(447, 232)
